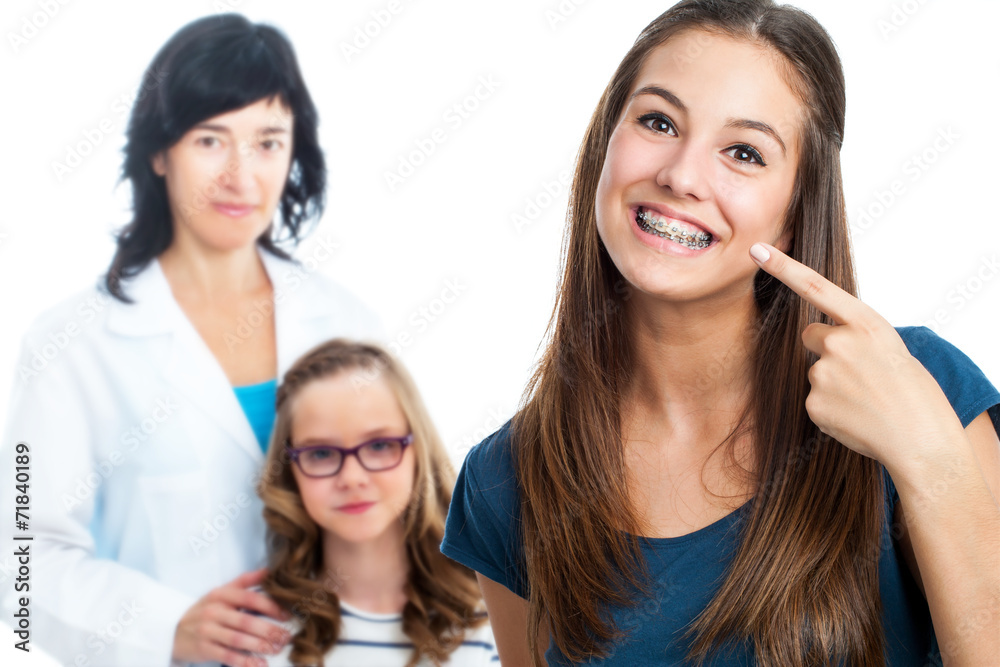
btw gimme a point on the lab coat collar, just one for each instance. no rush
(300, 308)
(190, 366)
(155, 311)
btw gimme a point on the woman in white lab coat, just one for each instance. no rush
(144, 404)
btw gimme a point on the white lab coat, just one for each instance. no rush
(143, 465)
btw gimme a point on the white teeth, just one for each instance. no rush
(672, 231)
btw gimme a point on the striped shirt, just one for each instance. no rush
(377, 640)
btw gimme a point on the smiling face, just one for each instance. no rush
(355, 505)
(700, 166)
(225, 176)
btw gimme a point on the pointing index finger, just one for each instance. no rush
(807, 283)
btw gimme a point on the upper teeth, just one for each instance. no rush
(672, 230)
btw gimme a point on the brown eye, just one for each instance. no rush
(657, 123)
(746, 155)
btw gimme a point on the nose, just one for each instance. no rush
(352, 473)
(685, 171)
(240, 175)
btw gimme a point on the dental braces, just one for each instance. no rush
(673, 232)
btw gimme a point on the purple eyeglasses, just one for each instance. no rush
(326, 460)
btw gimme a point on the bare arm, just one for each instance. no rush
(509, 620)
(951, 541)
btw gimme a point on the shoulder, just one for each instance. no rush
(86, 303)
(482, 634)
(340, 296)
(966, 386)
(293, 627)
(489, 468)
(483, 529)
(70, 334)
(321, 296)
(933, 351)
(478, 647)
(282, 658)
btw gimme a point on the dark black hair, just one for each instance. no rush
(211, 66)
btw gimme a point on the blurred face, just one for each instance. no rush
(355, 505)
(225, 176)
(700, 166)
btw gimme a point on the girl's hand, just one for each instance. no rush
(868, 391)
(216, 628)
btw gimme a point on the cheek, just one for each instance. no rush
(615, 175)
(276, 173)
(753, 207)
(616, 168)
(625, 162)
(400, 487)
(603, 194)
(190, 177)
(310, 495)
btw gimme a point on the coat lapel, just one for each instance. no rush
(190, 366)
(194, 371)
(300, 312)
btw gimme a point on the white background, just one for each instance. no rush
(913, 69)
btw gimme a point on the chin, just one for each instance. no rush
(231, 244)
(360, 537)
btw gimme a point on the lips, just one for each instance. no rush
(670, 234)
(233, 210)
(670, 214)
(355, 508)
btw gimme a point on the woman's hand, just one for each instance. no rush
(215, 628)
(867, 391)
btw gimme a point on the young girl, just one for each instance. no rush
(356, 488)
(719, 463)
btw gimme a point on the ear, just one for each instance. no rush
(159, 164)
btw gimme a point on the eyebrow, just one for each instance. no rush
(225, 130)
(661, 92)
(743, 123)
(368, 436)
(759, 126)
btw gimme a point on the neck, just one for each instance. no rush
(692, 360)
(371, 575)
(213, 277)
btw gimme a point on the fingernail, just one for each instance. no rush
(759, 253)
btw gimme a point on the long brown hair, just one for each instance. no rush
(443, 597)
(803, 586)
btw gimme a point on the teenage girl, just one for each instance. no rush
(724, 456)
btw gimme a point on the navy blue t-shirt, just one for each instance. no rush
(483, 532)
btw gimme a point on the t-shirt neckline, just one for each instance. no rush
(723, 523)
(371, 615)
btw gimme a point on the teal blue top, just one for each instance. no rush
(257, 401)
(483, 532)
